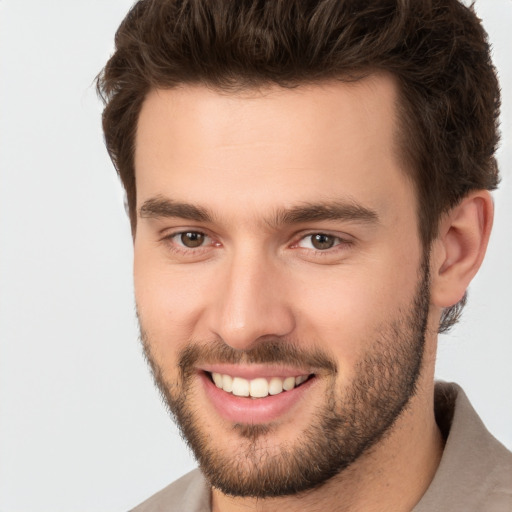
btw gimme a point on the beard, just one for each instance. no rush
(345, 425)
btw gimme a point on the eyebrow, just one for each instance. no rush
(349, 210)
(335, 210)
(162, 207)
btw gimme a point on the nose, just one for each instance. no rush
(250, 302)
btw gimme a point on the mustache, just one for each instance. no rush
(272, 351)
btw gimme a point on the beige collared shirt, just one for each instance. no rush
(475, 473)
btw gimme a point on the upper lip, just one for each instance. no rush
(253, 371)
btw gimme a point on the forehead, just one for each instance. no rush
(270, 146)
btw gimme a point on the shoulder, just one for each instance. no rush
(475, 472)
(191, 493)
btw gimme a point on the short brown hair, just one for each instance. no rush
(436, 49)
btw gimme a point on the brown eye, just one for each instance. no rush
(192, 239)
(322, 241)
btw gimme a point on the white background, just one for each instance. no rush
(81, 427)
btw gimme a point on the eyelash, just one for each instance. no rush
(340, 244)
(171, 241)
(337, 241)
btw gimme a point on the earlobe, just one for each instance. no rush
(460, 248)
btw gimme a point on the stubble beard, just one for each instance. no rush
(345, 426)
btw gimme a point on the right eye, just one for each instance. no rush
(189, 245)
(190, 239)
(319, 241)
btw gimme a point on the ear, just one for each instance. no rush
(460, 247)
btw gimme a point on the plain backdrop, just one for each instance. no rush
(81, 426)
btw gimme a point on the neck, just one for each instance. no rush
(392, 476)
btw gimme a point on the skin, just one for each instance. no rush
(245, 156)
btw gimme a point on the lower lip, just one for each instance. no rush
(245, 410)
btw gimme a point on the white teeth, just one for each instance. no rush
(240, 387)
(289, 383)
(256, 388)
(275, 386)
(259, 388)
(300, 379)
(217, 378)
(227, 383)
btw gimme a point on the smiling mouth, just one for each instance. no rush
(259, 387)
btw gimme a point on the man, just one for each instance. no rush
(308, 187)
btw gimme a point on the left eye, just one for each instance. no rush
(191, 239)
(319, 241)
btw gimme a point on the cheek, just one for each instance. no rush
(340, 316)
(346, 311)
(168, 302)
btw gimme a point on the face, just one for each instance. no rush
(280, 281)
